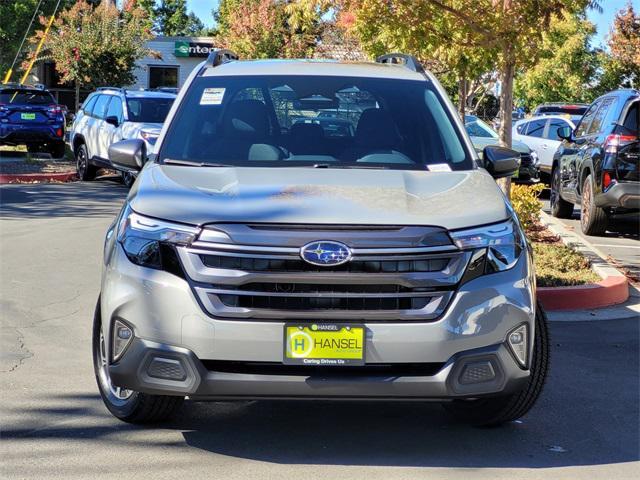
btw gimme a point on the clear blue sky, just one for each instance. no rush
(603, 21)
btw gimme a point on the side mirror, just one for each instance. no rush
(565, 132)
(500, 161)
(112, 121)
(128, 154)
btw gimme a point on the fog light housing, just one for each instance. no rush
(518, 341)
(122, 336)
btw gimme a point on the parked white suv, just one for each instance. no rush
(109, 115)
(540, 134)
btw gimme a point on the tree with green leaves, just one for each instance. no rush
(621, 64)
(508, 32)
(267, 28)
(96, 45)
(566, 67)
(15, 16)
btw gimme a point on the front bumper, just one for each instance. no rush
(169, 322)
(166, 370)
(623, 195)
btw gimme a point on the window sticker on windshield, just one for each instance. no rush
(212, 96)
(439, 167)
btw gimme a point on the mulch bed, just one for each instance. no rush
(19, 167)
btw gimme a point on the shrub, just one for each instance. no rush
(526, 203)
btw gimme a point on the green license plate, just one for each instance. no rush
(28, 116)
(324, 344)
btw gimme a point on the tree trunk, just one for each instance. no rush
(77, 103)
(506, 109)
(462, 96)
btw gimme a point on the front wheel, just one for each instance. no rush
(559, 208)
(86, 171)
(127, 405)
(128, 178)
(494, 411)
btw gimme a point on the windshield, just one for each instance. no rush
(30, 97)
(477, 128)
(327, 121)
(148, 110)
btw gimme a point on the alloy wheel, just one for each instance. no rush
(116, 395)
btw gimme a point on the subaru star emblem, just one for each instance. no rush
(325, 253)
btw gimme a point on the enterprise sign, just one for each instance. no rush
(191, 49)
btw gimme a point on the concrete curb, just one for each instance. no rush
(37, 177)
(613, 289)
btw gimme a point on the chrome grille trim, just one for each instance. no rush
(417, 280)
(435, 307)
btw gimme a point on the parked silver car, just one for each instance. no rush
(258, 257)
(109, 115)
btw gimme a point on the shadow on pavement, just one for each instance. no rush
(588, 415)
(100, 198)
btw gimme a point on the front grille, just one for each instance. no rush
(395, 273)
(370, 369)
(297, 265)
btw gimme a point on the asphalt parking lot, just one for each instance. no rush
(620, 244)
(54, 425)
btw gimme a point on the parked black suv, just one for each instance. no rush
(597, 166)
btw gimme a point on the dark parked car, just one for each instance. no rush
(30, 116)
(573, 109)
(597, 166)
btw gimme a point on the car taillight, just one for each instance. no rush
(607, 180)
(615, 141)
(55, 109)
(59, 132)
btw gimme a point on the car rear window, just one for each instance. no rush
(29, 97)
(305, 120)
(560, 109)
(148, 110)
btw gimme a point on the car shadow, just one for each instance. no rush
(100, 198)
(587, 415)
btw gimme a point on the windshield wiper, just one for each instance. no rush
(189, 163)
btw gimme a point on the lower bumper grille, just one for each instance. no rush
(371, 369)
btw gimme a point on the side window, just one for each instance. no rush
(581, 129)
(554, 125)
(630, 123)
(89, 104)
(522, 128)
(115, 109)
(599, 120)
(536, 128)
(100, 108)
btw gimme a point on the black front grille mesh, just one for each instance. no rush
(323, 303)
(295, 265)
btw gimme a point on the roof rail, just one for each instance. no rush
(220, 56)
(408, 61)
(119, 89)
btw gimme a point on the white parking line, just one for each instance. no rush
(614, 246)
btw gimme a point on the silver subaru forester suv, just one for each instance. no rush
(321, 230)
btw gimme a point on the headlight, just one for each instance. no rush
(149, 137)
(534, 157)
(149, 242)
(502, 244)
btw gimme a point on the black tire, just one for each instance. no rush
(494, 411)
(128, 178)
(593, 220)
(57, 149)
(35, 148)
(560, 208)
(127, 405)
(85, 170)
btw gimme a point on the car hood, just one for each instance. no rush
(199, 195)
(480, 142)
